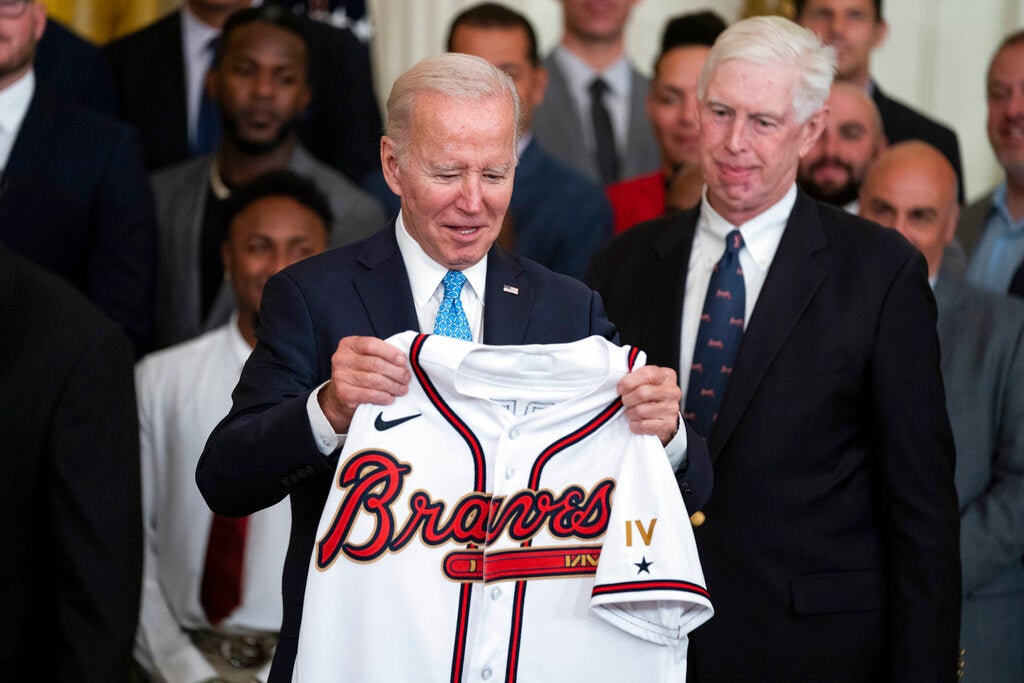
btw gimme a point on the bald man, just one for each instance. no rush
(832, 171)
(912, 187)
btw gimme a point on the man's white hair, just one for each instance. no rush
(458, 76)
(774, 41)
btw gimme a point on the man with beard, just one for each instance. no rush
(258, 80)
(852, 138)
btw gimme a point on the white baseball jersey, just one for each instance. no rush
(501, 522)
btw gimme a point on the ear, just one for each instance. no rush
(225, 257)
(880, 32)
(38, 10)
(305, 96)
(540, 85)
(812, 129)
(954, 217)
(389, 164)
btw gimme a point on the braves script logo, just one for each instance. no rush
(375, 479)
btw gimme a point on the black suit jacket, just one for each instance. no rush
(70, 511)
(903, 123)
(830, 545)
(75, 199)
(341, 126)
(264, 449)
(75, 68)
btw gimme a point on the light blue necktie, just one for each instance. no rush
(451, 318)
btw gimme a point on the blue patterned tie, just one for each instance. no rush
(718, 338)
(208, 131)
(451, 318)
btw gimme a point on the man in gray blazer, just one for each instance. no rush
(592, 49)
(258, 81)
(911, 187)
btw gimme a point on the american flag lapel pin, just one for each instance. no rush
(510, 289)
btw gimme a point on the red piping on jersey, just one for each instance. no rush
(516, 635)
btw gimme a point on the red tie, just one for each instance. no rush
(221, 591)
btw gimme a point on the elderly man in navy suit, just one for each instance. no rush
(811, 364)
(450, 154)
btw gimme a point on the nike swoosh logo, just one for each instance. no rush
(380, 424)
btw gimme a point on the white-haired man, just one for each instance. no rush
(811, 366)
(450, 155)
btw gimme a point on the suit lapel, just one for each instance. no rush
(384, 288)
(32, 145)
(661, 313)
(508, 300)
(793, 278)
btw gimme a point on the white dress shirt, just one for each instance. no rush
(579, 75)
(183, 392)
(195, 44)
(14, 102)
(761, 237)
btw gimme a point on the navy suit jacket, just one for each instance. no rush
(75, 199)
(341, 125)
(75, 68)
(830, 545)
(264, 449)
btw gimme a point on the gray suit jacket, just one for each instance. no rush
(556, 126)
(981, 336)
(181, 193)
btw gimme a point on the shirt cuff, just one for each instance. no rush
(327, 441)
(676, 448)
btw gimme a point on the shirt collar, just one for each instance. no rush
(999, 206)
(425, 274)
(579, 74)
(760, 233)
(14, 102)
(195, 34)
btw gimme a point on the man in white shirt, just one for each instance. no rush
(575, 111)
(810, 363)
(450, 155)
(274, 221)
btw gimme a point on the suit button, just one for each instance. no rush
(286, 481)
(685, 488)
(308, 469)
(697, 518)
(295, 477)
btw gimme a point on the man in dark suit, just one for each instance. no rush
(912, 188)
(71, 525)
(855, 28)
(450, 155)
(75, 68)
(74, 197)
(160, 88)
(812, 368)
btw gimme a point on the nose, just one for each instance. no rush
(830, 143)
(736, 136)
(470, 199)
(263, 84)
(688, 110)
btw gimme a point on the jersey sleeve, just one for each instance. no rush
(649, 581)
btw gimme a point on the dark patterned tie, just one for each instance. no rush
(604, 136)
(208, 123)
(451, 319)
(221, 590)
(718, 338)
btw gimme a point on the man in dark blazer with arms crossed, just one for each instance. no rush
(830, 543)
(450, 155)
